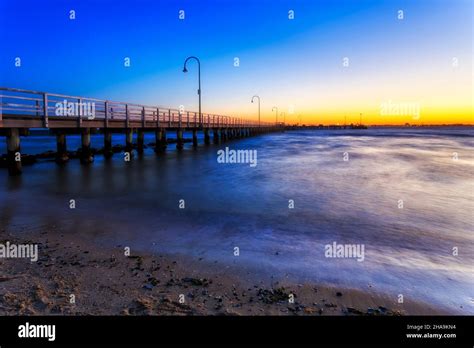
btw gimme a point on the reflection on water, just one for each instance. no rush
(407, 251)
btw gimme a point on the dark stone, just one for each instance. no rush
(354, 311)
(273, 296)
(195, 281)
(148, 286)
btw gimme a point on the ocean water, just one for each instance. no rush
(408, 250)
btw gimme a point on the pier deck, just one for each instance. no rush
(21, 110)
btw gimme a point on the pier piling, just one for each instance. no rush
(61, 148)
(108, 144)
(207, 139)
(179, 139)
(86, 153)
(164, 141)
(129, 140)
(215, 135)
(158, 140)
(140, 140)
(195, 138)
(13, 148)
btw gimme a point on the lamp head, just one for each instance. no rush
(185, 70)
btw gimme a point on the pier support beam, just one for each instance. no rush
(179, 139)
(129, 140)
(61, 148)
(164, 141)
(13, 154)
(195, 138)
(108, 144)
(223, 134)
(207, 138)
(140, 140)
(215, 135)
(160, 140)
(86, 153)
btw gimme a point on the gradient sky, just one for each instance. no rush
(287, 62)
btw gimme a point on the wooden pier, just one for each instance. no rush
(21, 110)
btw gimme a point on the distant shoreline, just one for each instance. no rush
(41, 131)
(385, 126)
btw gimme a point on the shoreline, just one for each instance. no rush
(106, 282)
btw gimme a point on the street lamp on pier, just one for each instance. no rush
(256, 96)
(276, 114)
(185, 70)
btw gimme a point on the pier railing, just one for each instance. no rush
(20, 103)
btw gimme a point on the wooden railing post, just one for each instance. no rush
(158, 117)
(169, 118)
(143, 117)
(45, 109)
(187, 114)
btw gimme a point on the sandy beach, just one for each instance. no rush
(106, 282)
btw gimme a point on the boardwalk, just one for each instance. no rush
(21, 110)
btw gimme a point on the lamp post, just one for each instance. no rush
(199, 86)
(275, 108)
(256, 96)
(284, 117)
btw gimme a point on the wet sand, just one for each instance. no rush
(106, 282)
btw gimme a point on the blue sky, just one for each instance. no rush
(287, 62)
